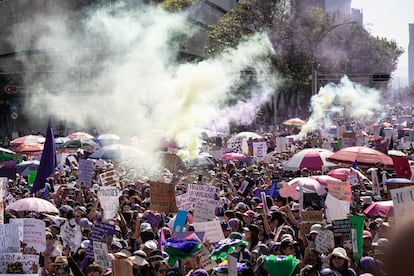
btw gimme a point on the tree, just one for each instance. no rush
(176, 5)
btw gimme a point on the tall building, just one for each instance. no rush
(340, 8)
(411, 54)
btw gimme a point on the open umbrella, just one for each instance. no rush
(380, 208)
(116, 152)
(309, 184)
(312, 159)
(6, 154)
(27, 140)
(80, 135)
(233, 156)
(26, 167)
(324, 179)
(366, 157)
(224, 247)
(80, 144)
(33, 204)
(243, 135)
(202, 161)
(294, 122)
(30, 148)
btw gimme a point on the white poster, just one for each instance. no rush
(212, 229)
(259, 150)
(336, 209)
(71, 236)
(204, 211)
(33, 232)
(26, 260)
(203, 193)
(100, 252)
(231, 265)
(109, 199)
(403, 201)
(9, 238)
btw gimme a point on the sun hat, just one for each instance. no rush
(340, 252)
(60, 261)
(145, 226)
(152, 245)
(382, 243)
(315, 228)
(123, 253)
(138, 258)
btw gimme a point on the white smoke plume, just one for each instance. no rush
(117, 72)
(346, 99)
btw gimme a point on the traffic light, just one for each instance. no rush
(380, 77)
(10, 89)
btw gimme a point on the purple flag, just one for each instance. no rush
(47, 160)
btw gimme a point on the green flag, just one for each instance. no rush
(357, 229)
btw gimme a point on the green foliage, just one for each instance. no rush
(176, 5)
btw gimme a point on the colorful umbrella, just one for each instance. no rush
(313, 159)
(33, 204)
(380, 208)
(27, 140)
(366, 157)
(225, 246)
(233, 156)
(6, 154)
(30, 148)
(309, 185)
(179, 249)
(238, 138)
(340, 173)
(324, 179)
(294, 122)
(79, 135)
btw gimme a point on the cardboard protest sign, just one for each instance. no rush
(9, 238)
(109, 199)
(85, 175)
(340, 190)
(395, 185)
(100, 252)
(108, 178)
(32, 232)
(342, 232)
(403, 200)
(212, 229)
(162, 197)
(324, 242)
(205, 261)
(121, 267)
(27, 261)
(101, 232)
(309, 218)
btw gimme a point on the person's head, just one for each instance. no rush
(368, 264)
(276, 219)
(94, 270)
(62, 271)
(161, 268)
(338, 259)
(287, 246)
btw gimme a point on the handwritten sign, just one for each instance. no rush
(183, 202)
(212, 229)
(403, 200)
(101, 232)
(109, 199)
(204, 211)
(260, 150)
(32, 232)
(340, 190)
(71, 236)
(205, 261)
(342, 231)
(162, 197)
(26, 260)
(396, 185)
(203, 193)
(86, 167)
(324, 242)
(9, 238)
(108, 178)
(100, 251)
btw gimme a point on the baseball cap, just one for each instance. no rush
(145, 226)
(249, 213)
(151, 244)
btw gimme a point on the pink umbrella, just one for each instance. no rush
(380, 208)
(30, 148)
(313, 159)
(365, 156)
(33, 204)
(27, 139)
(324, 179)
(294, 122)
(340, 173)
(309, 184)
(80, 135)
(233, 156)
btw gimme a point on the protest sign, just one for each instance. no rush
(204, 211)
(86, 167)
(340, 190)
(27, 261)
(162, 197)
(9, 238)
(71, 235)
(212, 229)
(259, 150)
(205, 262)
(101, 232)
(231, 265)
(403, 200)
(324, 242)
(121, 267)
(180, 220)
(183, 202)
(203, 193)
(357, 229)
(154, 220)
(309, 218)
(395, 185)
(108, 178)
(189, 235)
(342, 231)
(32, 232)
(109, 199)
(335, 208)
(100, 252)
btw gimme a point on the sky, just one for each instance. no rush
(390, 19)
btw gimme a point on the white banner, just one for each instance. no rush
(33, 232)
(25, 259)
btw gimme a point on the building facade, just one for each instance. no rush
(411, 54)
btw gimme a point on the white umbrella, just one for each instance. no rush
(33, 204)
(108, 136)
(313, 159)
